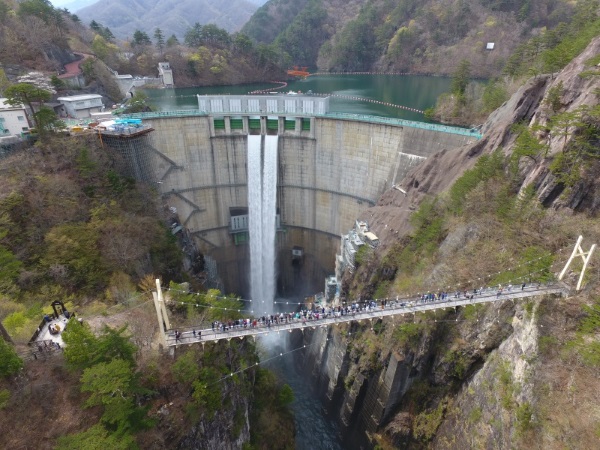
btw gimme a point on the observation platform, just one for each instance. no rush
(48, 336)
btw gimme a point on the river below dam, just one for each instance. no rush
(412, 91)
(314, 430)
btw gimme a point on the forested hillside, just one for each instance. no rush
(123, 17)
(75, 227)
(494, 213)
(37, 36)
(416, 36)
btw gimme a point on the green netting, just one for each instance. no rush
(219, 124)
(290, 125)
(306, 124)
(272, 124)
(254, 124)
(236, 124)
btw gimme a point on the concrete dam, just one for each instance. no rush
(330, 168)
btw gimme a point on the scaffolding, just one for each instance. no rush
(136, 150)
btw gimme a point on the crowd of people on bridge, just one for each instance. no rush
(320, 312)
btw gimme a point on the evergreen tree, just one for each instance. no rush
(107, 34)
(95, 26)
(193, 36)
(159, 38)
(172, 41)
(140, 38)
(460, 79)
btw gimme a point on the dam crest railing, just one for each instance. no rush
(330, 115)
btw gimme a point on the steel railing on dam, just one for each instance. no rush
(404, 123)
(390, 309)
(331, 115)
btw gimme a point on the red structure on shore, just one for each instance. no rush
(301, 72)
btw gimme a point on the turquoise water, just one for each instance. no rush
(413, 91)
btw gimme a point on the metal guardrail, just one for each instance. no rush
(406, 306)
(404, 123)
(331, 115)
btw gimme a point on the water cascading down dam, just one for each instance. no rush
(219, 167)
(262, 204)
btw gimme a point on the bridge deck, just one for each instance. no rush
(412, 306)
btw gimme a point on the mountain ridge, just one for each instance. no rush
(429, 36)
(123, 17)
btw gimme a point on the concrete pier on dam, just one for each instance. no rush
(330, 169)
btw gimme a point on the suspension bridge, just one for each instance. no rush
(367, 310)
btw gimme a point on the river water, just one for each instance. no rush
(413, 91)
(314, 430)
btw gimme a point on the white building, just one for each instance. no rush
(292, 104)
(166, 74)
(13, 119)
(80, 106)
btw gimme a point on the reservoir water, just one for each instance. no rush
(413, 91)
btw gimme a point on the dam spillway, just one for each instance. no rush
(262, 205)
(330, 168)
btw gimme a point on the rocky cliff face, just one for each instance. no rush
(483, 377)
(216, 433)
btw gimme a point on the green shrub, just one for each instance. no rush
(426, 423)
(494, 95)
(475, 415)
(382, 290)
(524, 415)
(486, 168)
(546, 344)
(286, 395)
(408, 334)
(4, 398)
(471, 312)
(96, 438)
(186, 370)
(362, 255)
(459, 364)
(10, 363)
(205, 393)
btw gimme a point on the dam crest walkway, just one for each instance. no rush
(373, 310)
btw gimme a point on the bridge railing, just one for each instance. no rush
(390, 308)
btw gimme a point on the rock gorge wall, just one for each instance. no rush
(370, 400)
(501, 344)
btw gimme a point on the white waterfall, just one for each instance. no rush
(255, 217)
(262, 205)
